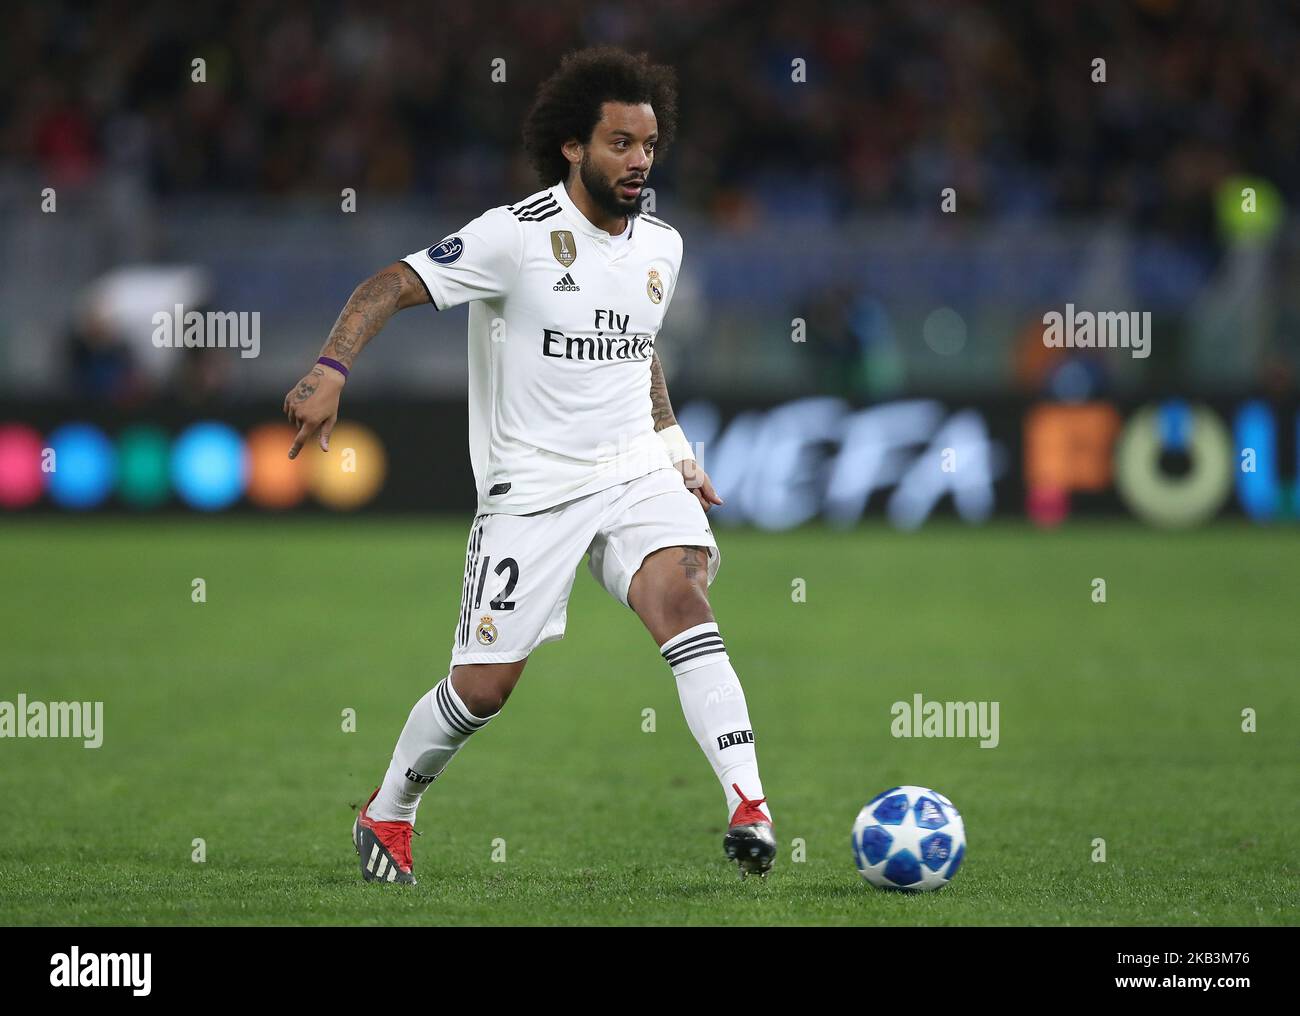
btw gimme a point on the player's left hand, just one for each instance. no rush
(698, 483)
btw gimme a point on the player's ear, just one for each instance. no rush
(572, 150)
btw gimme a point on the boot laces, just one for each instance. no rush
(396, 839)
(748, 812)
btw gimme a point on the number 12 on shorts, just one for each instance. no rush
(502, 602)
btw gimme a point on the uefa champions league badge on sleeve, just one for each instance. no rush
(486, 633)
(448, 252)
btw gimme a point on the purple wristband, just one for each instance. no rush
(335, 364)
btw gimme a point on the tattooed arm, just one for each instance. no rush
(313, 403)
(661, 410)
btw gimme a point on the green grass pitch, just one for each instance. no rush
(223, 721)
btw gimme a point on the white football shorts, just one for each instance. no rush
(519, 569)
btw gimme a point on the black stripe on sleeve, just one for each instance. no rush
(521, 207)
(537, 214)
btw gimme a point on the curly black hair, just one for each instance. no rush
(568, 103)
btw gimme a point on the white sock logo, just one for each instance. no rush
(734, 738)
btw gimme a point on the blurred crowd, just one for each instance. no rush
(796, 118)
(901, 99)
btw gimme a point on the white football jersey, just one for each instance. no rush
(562, 326)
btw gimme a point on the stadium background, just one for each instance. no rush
(836, 329)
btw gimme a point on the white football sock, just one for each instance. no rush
(715, 710)
(437, 728)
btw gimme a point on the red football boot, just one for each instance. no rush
(749, 840)
(384, 848)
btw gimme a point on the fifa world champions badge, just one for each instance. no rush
(486, 633)
(563, 248)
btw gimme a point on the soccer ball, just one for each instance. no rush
(909, 838)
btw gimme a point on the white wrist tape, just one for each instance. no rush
(674, 439)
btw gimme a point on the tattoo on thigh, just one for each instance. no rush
(691, 562)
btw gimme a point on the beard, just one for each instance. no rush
(603, 193)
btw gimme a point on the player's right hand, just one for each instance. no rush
(313, 405)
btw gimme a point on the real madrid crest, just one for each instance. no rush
(563, 247)
(654, 287)
(486, 633)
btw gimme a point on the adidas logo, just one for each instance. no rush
(567, 285)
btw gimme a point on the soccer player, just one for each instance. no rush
(573, 441)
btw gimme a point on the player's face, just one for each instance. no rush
(617, 160)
